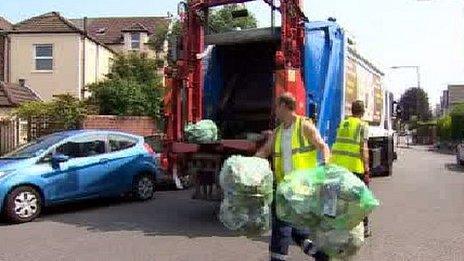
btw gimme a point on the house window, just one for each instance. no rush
(43, 57)
(135, 41)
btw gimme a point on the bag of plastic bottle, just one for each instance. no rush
(247, 183)
(339, 244)
(328, 197)
(203, 131)
(331, 202)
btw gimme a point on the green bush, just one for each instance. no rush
(444, 128)
(133, 88)
(457, 122)
(64, 112)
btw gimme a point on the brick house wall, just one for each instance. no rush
(143, 126)
(2, 58)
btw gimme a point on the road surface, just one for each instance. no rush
(421, 218)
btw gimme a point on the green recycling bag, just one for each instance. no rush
(247, 183)
(203, 131)
(328, 197)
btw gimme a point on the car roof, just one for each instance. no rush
(71, 133)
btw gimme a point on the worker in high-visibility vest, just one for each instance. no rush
(293, 145)
(350, 149)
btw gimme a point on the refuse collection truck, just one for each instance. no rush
(240, 83)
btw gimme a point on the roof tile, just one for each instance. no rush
(49, 22)
(5, 24)
(113, 27)
(12, 94)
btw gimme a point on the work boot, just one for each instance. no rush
(310, 249)
(367, 232)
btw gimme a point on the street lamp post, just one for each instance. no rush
(417, 68)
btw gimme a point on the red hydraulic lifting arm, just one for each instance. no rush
(185, 80)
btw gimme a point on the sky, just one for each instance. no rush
(425, 33)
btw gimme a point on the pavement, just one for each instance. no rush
(421, 218)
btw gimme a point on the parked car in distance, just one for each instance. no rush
(74, 165)
(460, 154)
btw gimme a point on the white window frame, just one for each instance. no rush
(42, 57)
(132, 41)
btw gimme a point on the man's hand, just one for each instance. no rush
(266, 151)
(367, 177)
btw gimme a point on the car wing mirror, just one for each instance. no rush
(57, 159)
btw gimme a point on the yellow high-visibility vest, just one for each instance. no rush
(346, 151)
(304, 154)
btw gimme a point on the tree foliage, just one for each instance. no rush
(451, 127)
(415, 102)
(444, 128)
(221, 20)
(133, 88)
(156, 42)
(457, 122)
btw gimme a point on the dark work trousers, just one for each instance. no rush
(366, 181)
(282, 236)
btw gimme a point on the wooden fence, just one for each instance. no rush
(9, 135)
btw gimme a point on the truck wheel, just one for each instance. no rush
(144, 187)
(23, 204)
(389, 171)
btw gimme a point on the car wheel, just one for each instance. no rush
(144, 187)
(186, 181)
(23, 204)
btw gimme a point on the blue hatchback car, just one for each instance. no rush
(74, 165)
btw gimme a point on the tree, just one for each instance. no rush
(457, 122)
(219, 21)
(133, 88)
(156, 42)
(415, 102)
(222, 20)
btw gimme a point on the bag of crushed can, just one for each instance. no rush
(203, 131)
(247, 183)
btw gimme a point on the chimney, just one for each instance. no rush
(85, 24)
(22, 82)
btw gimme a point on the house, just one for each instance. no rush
(54, 56)
(4, 27)
(13, 131)
(12, 95)
(452, 96)
(125, 34)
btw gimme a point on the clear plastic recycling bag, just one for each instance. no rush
(247, 183)
(327, 197)
(203, 131)
(331, 202)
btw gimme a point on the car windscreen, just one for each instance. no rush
(34, 148)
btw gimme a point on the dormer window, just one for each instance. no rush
(135, 41)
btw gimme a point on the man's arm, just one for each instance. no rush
(311, 133)
(266, 150)
(365, 153)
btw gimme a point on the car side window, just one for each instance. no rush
(120, 142)
(86, 146)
